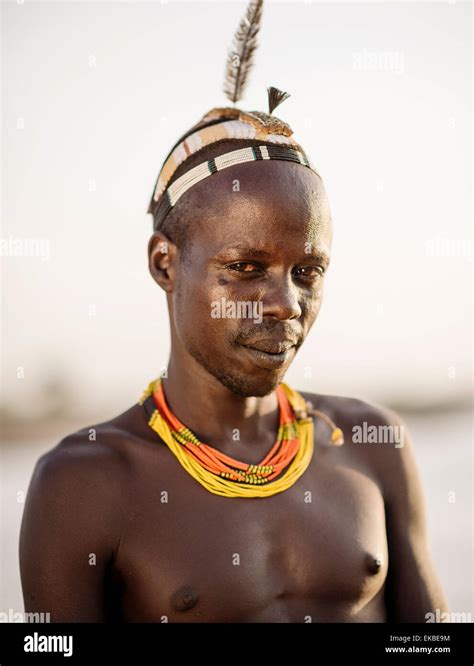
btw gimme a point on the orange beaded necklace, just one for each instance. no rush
(221, 474)
(279, 457)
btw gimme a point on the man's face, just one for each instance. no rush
(251, 285)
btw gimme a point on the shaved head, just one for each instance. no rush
(178, 224)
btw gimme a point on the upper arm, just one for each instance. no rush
(413, 588)
(70, 530)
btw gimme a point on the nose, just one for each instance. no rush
(280, 299)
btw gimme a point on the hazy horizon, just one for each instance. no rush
(94, 96)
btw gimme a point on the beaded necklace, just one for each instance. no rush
(223, 475)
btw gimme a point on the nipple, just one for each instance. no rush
(374, 563)
(184, 598)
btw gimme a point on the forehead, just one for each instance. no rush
(262, 202)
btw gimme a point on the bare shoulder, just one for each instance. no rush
(75, 509)
(375, 435)
(107, 446)
(352, 413)
(91, 450)
(92, 464)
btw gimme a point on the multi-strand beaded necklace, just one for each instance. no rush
(223, 475)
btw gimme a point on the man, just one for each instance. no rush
(143, 524)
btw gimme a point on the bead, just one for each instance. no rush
(210, 467)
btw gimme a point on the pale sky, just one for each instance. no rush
(94, 96)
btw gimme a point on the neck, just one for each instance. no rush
(214, 413)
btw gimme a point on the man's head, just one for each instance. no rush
(254, 238)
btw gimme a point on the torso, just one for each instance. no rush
(316, 552)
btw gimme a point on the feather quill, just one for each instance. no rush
(241, 55)
(275, 98)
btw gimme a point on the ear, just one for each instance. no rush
(162, 255)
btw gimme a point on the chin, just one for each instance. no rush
(239, 380)
(250, 385)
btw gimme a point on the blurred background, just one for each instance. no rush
(95, 94)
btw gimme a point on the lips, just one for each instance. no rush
(270, 354)
(271, 346)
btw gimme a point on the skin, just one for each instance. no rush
(114, 529)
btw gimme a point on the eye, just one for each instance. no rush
(310, 272)
(244, 267)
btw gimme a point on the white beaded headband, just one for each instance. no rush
(168, 199)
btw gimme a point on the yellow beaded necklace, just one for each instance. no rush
(181, 441)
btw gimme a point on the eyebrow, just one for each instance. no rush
(247, 249)
(319, 255)
(263, 254)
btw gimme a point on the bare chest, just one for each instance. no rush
(317, 550)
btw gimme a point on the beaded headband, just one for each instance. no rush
(228, 124)
(251, 154)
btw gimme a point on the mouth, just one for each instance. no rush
(270, 354)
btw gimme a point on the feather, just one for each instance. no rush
(275, 98)
(240, 57)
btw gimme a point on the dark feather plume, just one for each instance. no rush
(275, 98)
(240, 58)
